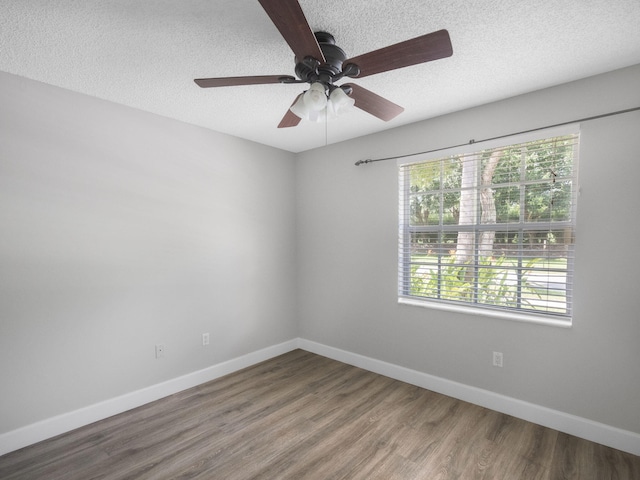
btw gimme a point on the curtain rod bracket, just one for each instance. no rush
(360, 162)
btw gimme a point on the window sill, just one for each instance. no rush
(486, 312)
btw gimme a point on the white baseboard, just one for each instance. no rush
(66, 422)
(597, 432)
(580, 427)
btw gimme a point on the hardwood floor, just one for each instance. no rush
(303, 416)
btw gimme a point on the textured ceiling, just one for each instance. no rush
(146, 53)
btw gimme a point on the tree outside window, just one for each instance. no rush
(492, 228)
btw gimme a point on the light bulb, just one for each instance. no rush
(300, 109)
(340, 102)
(315, 98)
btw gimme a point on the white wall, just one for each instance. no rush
(347, 259)
(120, 230)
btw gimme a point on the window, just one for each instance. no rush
(492, 229)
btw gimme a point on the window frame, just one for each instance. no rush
(404, 232)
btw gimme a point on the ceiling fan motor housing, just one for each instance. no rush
(311, 70)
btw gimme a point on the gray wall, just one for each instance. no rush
(347, 259)
(119, 230)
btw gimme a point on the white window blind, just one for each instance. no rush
(493, 228)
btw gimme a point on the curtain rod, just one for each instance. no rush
(470, 142)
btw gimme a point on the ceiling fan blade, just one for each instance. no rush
(290, 119)
(289, 19)
(234, 81)
(426, 48)
(373, 103)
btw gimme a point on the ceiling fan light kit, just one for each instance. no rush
(320, 63)
(316, 106)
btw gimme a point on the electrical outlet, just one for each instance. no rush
(205, 339)
(159, 350)
(497, 359)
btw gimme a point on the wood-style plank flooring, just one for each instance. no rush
(303, 416)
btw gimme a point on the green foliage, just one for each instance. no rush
(495, 283)
(518, 191)
(545, 165)
(433, 185)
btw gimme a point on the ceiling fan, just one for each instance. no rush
(321, 63)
